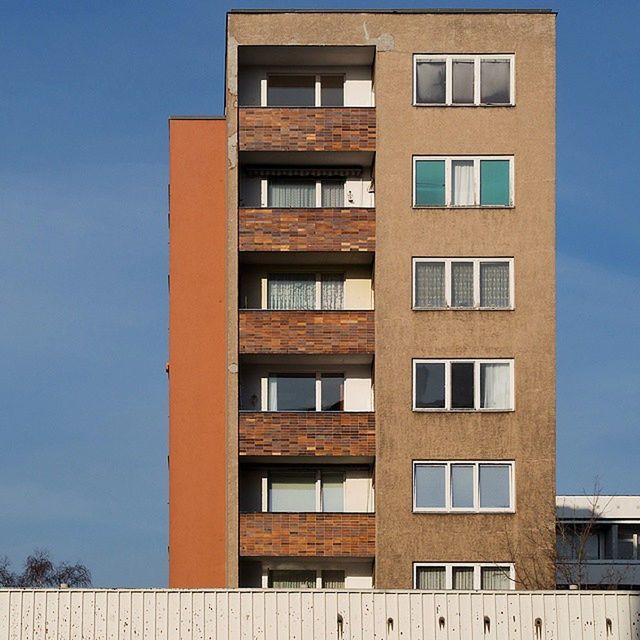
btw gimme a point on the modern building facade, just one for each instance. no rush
(362, 305)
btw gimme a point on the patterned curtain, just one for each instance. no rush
(495, 578)
(333, 193)
(494, 285)
(332, 291)
(333, 579)
(462, 284)
(432, 578)
(291, 193)
(430, 285)
(292, 291)
(463, 578)
(292, 579)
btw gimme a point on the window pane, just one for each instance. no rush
(292, 579)
(494, 183)
(429, 285)
(462, 396)
(430, 483)
(429, 385)
(462, 578)
(462, 284)
(332, 392)
(429, 182)
(591, 547)
(292, 291)
(285, 194)
(463, 82)
(494, 285)
(462, 486)
(495, 385)
(430, 81)
(463, 183)
(332, 291)
(494, 486)
(333, 579)
(332, 91)
(495, 80)
(292, 392)
(291, 91)
(333, 193)
(292, 492)
(332, 491)
(432, 578)
(495, 578)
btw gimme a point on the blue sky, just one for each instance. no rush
(86, 88)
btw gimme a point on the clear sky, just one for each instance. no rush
(85, 91)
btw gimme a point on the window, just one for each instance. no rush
(469, 385)
(461, 576)
(293, 291)
(305, 193)
(463, 283)
(463, 181)
(306, 579)
(305, 392)
(306, 491)
(305, 90)
(463, 486)
(464, 80)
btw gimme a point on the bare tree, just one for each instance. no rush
(40, 572)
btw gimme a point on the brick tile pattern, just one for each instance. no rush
(307, 434)
(330, 535)
(307, 129)
(348, 229)
(306, 332)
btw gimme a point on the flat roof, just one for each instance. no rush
(402, 11)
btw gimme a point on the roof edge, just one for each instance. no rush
(399, 11)
(197, 117)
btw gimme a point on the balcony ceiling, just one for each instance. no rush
(296, 55)
(307, 158)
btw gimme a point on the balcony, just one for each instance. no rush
(331, 535)
(299, 433)
(318, 229)
(298, 129)
(306, 332)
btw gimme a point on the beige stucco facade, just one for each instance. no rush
(525, 232)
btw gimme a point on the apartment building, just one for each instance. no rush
(362, 305)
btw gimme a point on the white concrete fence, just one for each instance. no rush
(124, 614)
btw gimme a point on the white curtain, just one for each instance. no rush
(432, 578)
(333, 492)
(333, 193)
(292, 291)
(429, 283)
(462, 284)
(272, 393)
(494, 285)
(463, 182)
(332, 291)
(495, 578)
(292, 492)
(495, 385)
(291, 193)
(463, 71)
(462, 578)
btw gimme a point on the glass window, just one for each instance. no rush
(332, 91)
(462, 486)
(291, 291)
(287, 193)
(292, 579)
(625, 543)
(462, 284)
(430, 486)
(429, 385)
(494, 183)
(292, 492)
(495, 83)
(494, 285)
(463, 183)
(332, 392)
(332, 193)
(495, 385)
(292, 392)
(429, 293)
(495, 578)
(332, 291)
(430, 180)
(432, 578)
(495, 486)
(332, 491)
(333, 579)
(430, 81)
(291, 91)
(462, 578)
(463, 79)
(462, 394)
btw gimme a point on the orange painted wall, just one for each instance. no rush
(197, 353)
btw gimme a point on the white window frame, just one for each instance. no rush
(264, 195)
(318, 290)
(476, 283)
(448, 182)
(477, 80)
(318, 388)
(264, 93)
(448, 508)
(476, 383)
(266, 480)
(477, 572)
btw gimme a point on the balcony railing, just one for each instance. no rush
(307, 433)
(331, 535)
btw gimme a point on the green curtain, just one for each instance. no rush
(429, 182)
(494, 183)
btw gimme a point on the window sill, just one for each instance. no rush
(465, 512)
(446, 207)
(463, 308)
(464, 106)
(425, 410)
